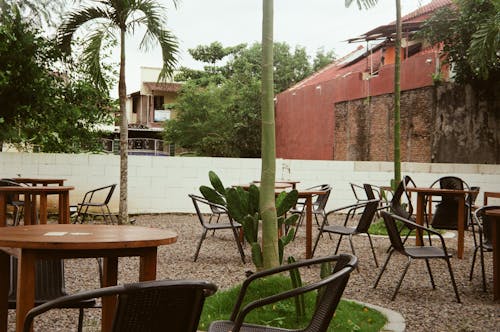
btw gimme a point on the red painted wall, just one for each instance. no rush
(305, 117)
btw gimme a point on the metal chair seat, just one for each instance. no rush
(426, 252)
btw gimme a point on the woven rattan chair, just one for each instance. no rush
(423, 252)
(330, 289)
(49, 285)
(482, 239)
(318, 204)
(150, 306)
(234, 226)
(445, 215)
(362, 226)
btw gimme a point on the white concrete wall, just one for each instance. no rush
(161, 184)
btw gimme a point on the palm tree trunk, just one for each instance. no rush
(268, 173)
(397, 97)
(122, 94)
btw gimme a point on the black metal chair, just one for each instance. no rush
(16, 204)
(150, 306)
(49, 285)
(329, 290)
(234, 226)
(95, 204)
(445, 215)
(482, 239)
(421, 252)
(318, 204)
(364, 222)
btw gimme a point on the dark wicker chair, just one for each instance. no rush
(445, 215)
(423, 252)
(364, 222)
(95, 204)
(49, 285)
(318, 204)
(332, 286)
(482, 239)
(151, 306)
(16, 204)
(234, 226)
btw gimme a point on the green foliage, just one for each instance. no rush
(470, 32)
(243, 206)
(42, 108)
(322, 59)
(219, 108)
(349, 316)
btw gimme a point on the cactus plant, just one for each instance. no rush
(243, 207)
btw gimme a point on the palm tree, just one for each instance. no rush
(267, 205)
(110, 21)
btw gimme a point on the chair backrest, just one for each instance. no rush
(9, 183)
(446, 213)
(49, 280)
(401, 196)
(151, 306)
(321, 200)
(357, 191)
(332, 287)
(197, 200)
(100, 195)
(367, 216)
(393, 232)
(369, 191)
(481, 221)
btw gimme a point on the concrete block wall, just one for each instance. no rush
(161, 184)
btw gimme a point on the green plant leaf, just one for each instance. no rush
(285, 202)
(216, 183)
(212, 196)
(257, 255)
(235, 205)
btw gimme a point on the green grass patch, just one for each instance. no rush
(378, 228)
(349, 316)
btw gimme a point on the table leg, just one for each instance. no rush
(147, 268)
(3, 209)
(308, 226)
(420, 216)
(25, 298)
(109, 278)
(43, 209)
(64, 217)
(495, 231)
(4, 290)
(28, 210)
(461, 226)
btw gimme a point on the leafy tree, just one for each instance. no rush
(218, 109)
(42, 109)
(110, 21)
(470, 33)
(322, 59)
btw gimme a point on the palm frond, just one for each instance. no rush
(91, 56)
(75, 20)
(362, 3)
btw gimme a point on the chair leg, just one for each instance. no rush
(373, 249)
(430, 273)
(238, 243)
(383, 268)
(453, 279)
(80, 319)
(338, 244)
(401, 279)
(481, 256)
(471, 273)
(203, 235)
(315, 243)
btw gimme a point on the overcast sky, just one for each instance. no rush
(313, 24)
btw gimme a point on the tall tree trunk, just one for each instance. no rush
(122, 94)
(268, 173)
(397, 97)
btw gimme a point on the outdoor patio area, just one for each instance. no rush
(423, 309)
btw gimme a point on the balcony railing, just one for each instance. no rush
(140, 146)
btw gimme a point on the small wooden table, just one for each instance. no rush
(37, 181)
(30, 243)
(423, 192)
(287, 183)
(494, 219)
(29, 194)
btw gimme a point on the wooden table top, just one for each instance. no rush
(76, 236)
(39, 180)
(36, 190)
(438, 191)
(493, 212)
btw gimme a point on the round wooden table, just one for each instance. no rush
(33, 242)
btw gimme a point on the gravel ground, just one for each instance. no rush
(424, 309)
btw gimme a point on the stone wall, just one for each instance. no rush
(443, 124)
